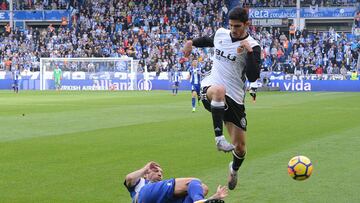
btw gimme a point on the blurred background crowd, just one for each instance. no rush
(154, 31)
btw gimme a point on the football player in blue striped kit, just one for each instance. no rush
(195, 74)
(146, 185)
(236, 59)
(16, 76)
(175, 78)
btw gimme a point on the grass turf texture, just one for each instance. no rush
(78, 146)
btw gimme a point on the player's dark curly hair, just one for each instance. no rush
(238, 13)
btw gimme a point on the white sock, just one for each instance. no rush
(217, 139)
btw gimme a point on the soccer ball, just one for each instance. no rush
(300, 168)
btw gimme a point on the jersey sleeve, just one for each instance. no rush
(253, 61)
(132, 187)
(207, 41)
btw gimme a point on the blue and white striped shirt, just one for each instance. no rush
(195, 75)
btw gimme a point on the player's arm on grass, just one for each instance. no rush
(132, 178)
(198, 42)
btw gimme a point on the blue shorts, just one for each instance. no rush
(176, 84)
(16, 83)
(196, 88)
(159, 192)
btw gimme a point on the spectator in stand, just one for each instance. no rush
(336, 69)
(357, 20)
(343, 71)
(292, 30)
(4, 5)
(319, 71)
(329, 69)
(354, 75)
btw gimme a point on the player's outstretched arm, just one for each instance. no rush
(198, 42)
(132, 178)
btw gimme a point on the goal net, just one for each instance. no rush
(93, 74)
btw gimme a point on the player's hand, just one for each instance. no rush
(151, 166)
(221, 193)
(187, 48)
(244, 46)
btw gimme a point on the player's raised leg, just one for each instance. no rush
(216, 94)
(196, 191)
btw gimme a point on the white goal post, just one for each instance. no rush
(93, 74)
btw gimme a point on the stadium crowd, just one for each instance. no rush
(154, 31)
(307, 53)
(38, 5)
(64, 4)
(292, 3)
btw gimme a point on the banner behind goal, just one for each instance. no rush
(93, 74)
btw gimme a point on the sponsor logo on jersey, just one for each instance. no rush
(222, 54)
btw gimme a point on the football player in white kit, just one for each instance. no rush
(236, 58)
(253, 89)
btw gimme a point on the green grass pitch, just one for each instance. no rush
(78, 146)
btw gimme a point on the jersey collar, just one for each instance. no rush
(238, 39)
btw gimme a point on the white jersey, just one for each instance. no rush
(255, 84)
(134, 190)
(228, 67)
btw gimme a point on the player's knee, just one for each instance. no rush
(189, 180)
(240, 149)
(196, 179)
(217, 92)
(205, 189)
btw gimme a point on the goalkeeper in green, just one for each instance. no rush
(57, 77)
